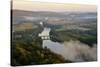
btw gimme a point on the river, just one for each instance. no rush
(56, 47)
(72, 50)
(53, 46)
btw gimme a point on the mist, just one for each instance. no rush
(77, 51)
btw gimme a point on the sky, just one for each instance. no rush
(30, 5)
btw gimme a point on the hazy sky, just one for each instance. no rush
(47, 6)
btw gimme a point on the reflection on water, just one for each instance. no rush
(53, 46)
(72, 50)
(56, 47)
(66, 51)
